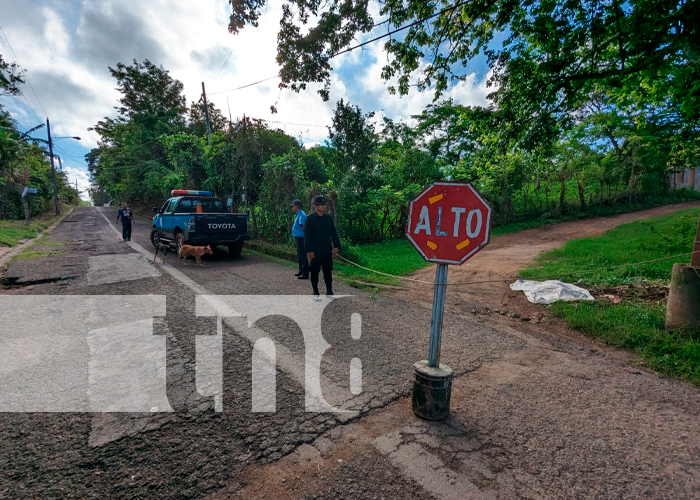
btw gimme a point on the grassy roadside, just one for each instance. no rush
(14, 232)
(395, 257)
(637, 321)
(602, 210)
(398, 257)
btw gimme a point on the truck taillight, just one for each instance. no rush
(247, 224)
(190, 223)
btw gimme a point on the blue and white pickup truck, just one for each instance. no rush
(201, 219)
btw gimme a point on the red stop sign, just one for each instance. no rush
(449, 222)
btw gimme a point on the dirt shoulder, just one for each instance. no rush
(536, 413)
(555, 415)
(504, 257)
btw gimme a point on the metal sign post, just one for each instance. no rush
(447, 223)
(436, 321)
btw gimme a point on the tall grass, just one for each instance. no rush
(650, 239)
(633, 324)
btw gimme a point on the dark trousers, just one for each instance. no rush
(324, 262)
(126, 231)
(301, 255)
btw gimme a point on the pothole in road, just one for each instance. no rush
(14, 281)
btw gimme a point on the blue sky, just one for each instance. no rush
(66, 47)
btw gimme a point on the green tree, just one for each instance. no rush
(283, 180)
(196, 123)
(130, 162)
(354, 140)
(11, 77)
(553, 55)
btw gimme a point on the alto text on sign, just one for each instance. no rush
(449, 222)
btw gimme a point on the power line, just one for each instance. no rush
(508, 280)
(25, 77)
(245, 86)
(292, 123)
(350, 49)
(30, 106)
(222, 66)
(420, 21)
(68, 155)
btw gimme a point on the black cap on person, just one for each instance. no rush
(297, 203)
(319, 200)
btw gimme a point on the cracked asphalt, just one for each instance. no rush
(534, 415)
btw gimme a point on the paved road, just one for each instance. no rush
(186, 452)
(537, 418)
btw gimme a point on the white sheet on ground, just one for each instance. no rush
(546, 292)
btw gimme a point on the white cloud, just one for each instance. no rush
(66, 48)
(74, 174)
(469, 92)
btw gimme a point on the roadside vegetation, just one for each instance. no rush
(24, 162)
(396, 257)
(636, 322)
(616, 151)
(399, 258)
(13, 232)
(34, 254)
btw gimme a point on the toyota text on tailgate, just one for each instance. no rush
(202, 220)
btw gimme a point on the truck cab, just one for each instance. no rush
(202, 220)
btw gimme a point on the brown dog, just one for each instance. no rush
(196, 252)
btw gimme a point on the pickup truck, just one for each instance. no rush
(202, 220)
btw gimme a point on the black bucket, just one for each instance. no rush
(432, 388)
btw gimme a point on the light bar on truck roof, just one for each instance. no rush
(187, 192)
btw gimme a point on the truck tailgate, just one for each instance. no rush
(219, 224)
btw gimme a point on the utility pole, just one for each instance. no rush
(206, 114)
(53, 170)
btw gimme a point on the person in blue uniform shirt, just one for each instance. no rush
(298, 230)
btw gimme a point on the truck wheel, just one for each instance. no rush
(155, 237)
(235, 249)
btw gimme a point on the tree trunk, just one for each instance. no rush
(25, 206)
(255, 220)
(581, 195)
(630, 186)
(562, 191)
(507, 205)
(695, 258)
(385, 214)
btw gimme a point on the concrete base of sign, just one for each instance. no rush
(432, 388)
(683, 309)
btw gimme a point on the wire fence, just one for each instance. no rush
(508, 280)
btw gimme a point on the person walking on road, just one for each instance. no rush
(322, 244)
(298, 234)
(127, 219)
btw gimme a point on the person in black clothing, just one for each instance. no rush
(320, 234)
(127, 219)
